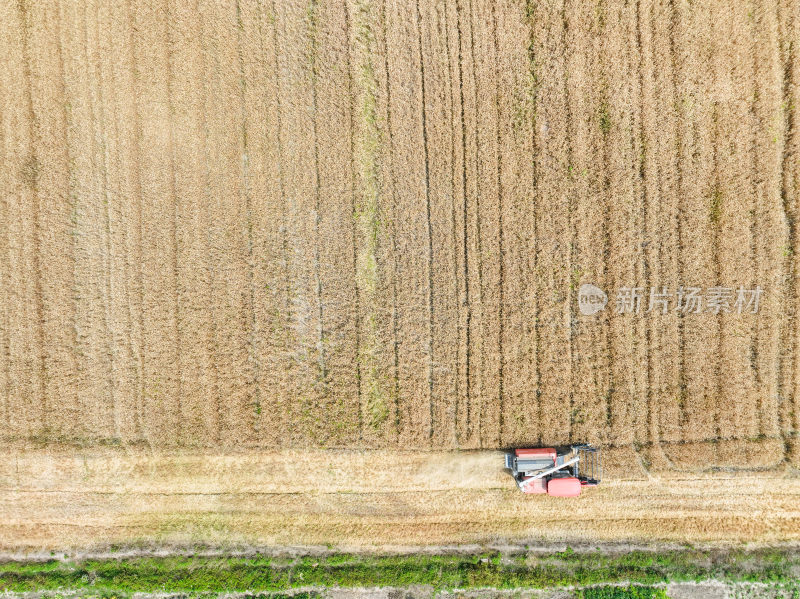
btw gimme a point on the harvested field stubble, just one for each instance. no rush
(53, 499)
(365, 223)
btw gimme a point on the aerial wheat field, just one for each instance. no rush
(243, 242)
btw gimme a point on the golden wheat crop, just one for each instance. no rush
(364, 223)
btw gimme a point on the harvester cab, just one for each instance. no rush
(561, 474)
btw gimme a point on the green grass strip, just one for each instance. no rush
(262, 574)
(629, 592)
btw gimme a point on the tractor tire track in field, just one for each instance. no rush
(570, 232)
(647, 188)
(533, 429)
(133, 118)
(313, 25)
(23, 372)
(355, 211)
(374, 243)
(463, 407)
(101, 153)
(283, 285)
(426, 162)
(53, 181)
(365, 223)
(516, 112)
(664, 143)
(477, 253)
(110, 26)
(174, 225)
(452, 408)
(390, 180)
(701, 213)
(187, 81)
(5, 275)
(603, 368)
(677, 407)
(97, 273)
(437, 140)
(552, 218)
(409, 225)
(741, 411)
(788, 26)
(487, 218)
(717, 209)
(585, 80)
(770, 234)
(500, 250)
(214, 416)
(30, 173)
(617, 120)
(253, 353)
(116, 217)
(5, 346)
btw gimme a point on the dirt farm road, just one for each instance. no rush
(63, 500)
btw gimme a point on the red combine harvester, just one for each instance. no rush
(545, 470)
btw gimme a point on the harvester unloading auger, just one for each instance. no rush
(545, 470)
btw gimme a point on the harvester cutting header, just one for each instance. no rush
(546, 470)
